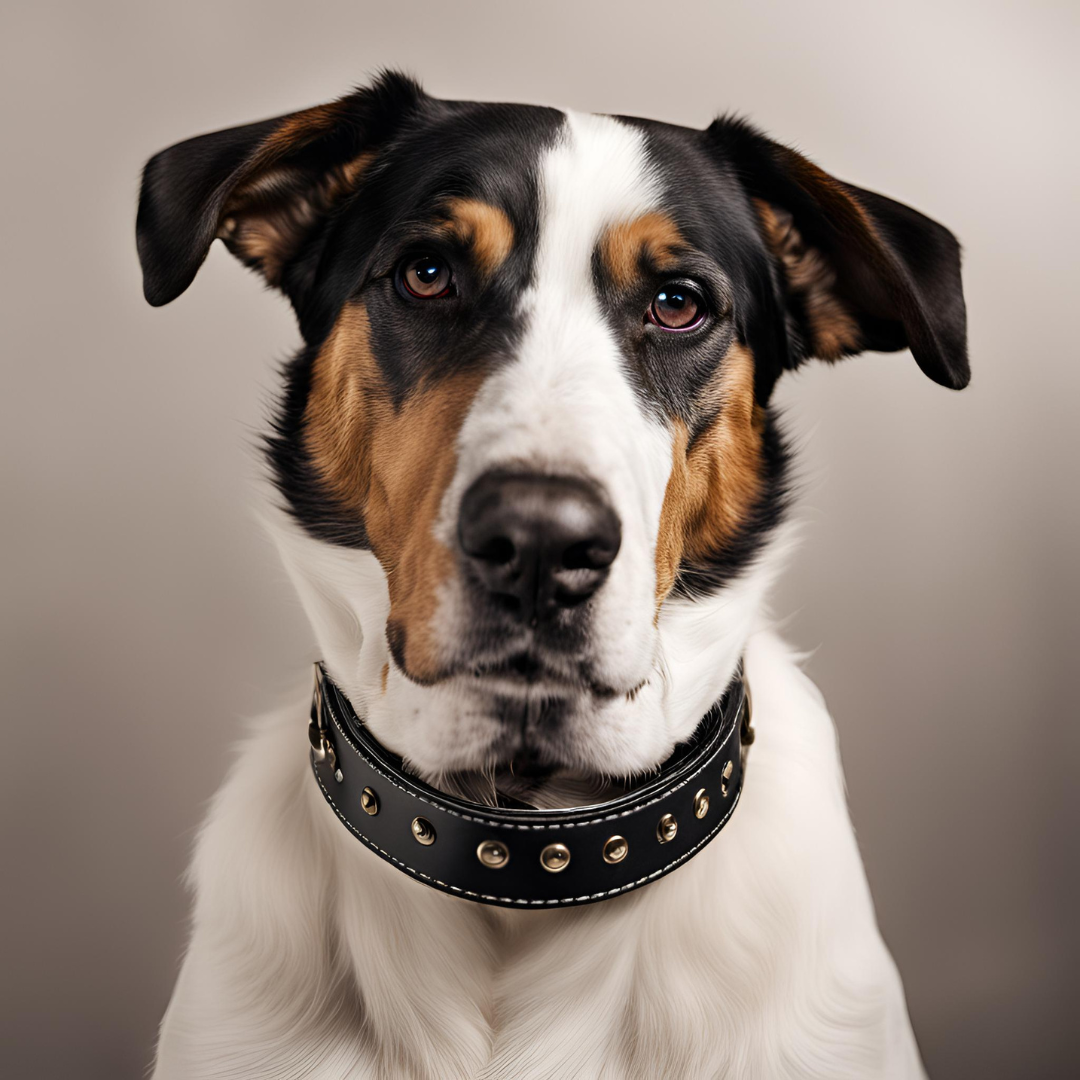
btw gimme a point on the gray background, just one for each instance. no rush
(936, 587)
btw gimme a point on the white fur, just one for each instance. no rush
(565, 406)
(310, 957)
(760, 958)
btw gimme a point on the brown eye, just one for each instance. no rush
(677, 307)
(425, 278)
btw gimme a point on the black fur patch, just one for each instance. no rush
(443, 151)
(895, 270)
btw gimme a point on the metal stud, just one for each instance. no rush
(493, 854)
(369, 802)
(729, 768)
(423, 831)
(701, 804)
(555, 858)
(615, 849)
(666, 828)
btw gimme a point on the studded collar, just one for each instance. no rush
(524, 857)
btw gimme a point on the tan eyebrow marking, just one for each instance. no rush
(484, 227)
(654, 236)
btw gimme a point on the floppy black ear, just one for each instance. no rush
(262, 188)
(860, 271)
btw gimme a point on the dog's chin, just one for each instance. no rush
(526, 726)
(530, 674)
(526, 674)
(534, 761)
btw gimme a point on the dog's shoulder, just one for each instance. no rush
(260, 877)
(308, 956)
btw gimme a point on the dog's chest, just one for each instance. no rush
(685, 979)
(650, 986)
(758, 958)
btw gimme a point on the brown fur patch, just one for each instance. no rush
(653, 238)
(834, 331)
(392, 465)
(304, 127)
(484, 227)
(267, 217)
(715, 482)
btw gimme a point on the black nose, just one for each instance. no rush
(538, 543)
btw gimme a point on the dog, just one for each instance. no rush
(532, 495)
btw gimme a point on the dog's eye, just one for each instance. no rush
(426, 278)
(677, 307)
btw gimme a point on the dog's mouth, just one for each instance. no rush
(526, 713)
(525, 667)
(533, 762)
(533, 672)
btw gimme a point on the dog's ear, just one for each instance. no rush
(262, 188)
(859, 271)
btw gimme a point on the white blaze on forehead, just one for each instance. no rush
(571, 391)
(597, 174)
(566, 404)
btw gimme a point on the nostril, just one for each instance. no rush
(498, 550)
(587, 555)
(578, 557)
(571, 595)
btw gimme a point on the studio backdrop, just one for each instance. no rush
(935, 591)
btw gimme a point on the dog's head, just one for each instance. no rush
(527, 441)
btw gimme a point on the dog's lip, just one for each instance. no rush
(525, 665)
(531, 669)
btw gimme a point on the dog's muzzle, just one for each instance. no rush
(516, 856)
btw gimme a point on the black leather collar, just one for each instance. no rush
(525, 857)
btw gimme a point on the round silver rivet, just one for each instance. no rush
(555, 857)
(369, 802)
(666, 828)
(615, 849)
(423, 831)
(729, 768)
(701, 804)
(493, 854)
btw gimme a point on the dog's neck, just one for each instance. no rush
(487, 991)
(689, 971)
(700, 642)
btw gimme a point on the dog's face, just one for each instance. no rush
(530, 422)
